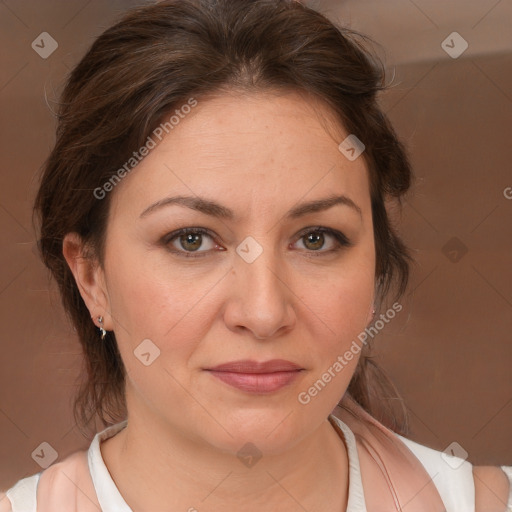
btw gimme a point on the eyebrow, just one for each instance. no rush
(214, 209)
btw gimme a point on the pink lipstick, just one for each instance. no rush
(255, 377)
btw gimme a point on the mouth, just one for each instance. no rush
(254, 377)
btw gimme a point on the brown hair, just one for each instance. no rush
(153, 60)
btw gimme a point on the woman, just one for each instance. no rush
(215, 214)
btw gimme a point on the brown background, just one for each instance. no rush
(449, 351)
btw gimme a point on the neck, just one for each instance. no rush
(158, 468)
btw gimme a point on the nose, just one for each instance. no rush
(261, 298)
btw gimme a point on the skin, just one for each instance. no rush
(491, 489)
(259, 154)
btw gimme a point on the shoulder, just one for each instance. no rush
(55, 485)
(452, 475)
(493, 489)
(21, 496)
(481, 488)
(5, 503)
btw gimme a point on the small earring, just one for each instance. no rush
(102, 330)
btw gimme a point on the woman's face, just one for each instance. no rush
(258, 284)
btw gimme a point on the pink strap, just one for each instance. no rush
(393, 478)
(67, 485)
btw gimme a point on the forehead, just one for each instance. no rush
(243, 147)
(279, 118)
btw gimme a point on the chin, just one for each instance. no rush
(272, 431)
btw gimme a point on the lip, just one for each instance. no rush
(257, 377)
(249, 366)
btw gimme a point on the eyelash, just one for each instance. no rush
(341, 240)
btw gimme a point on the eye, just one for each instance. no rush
(189, 240)
(314, 239)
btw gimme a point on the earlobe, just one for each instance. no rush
(88, 276)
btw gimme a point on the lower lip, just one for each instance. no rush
(257, 382)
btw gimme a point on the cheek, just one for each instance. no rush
(142, 291)
(343, 319)
(158, 304)
(155, 335)
(344, 298)
(336, 321)
(339, 312)
(351, 302)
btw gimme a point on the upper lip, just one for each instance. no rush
(248, 366)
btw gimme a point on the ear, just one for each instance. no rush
(89, 277)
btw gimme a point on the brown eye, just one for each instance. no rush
(315, 239)
(190, 240)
